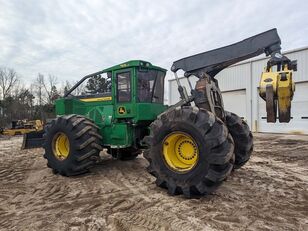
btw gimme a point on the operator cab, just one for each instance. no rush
(135, 89)
(138, 90)
(147, 83)
(149, 86)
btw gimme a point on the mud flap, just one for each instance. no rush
(33, 140)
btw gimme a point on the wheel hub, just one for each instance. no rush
(180, 151)
(187, 149)
(61, 146)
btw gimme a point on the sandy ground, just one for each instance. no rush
(269, 193)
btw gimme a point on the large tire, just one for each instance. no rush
(243, 139)
(82, 145)
(215, 151)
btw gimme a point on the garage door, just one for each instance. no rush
(235, 101)
(299, 114)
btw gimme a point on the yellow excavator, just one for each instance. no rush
(21, 127)
(32, 131)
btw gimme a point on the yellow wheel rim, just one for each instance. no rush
(180, 151)
(61, 146)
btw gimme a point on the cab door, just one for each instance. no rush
(124, 93)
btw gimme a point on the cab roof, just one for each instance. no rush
(134, 63)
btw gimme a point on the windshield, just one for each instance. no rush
(150, 86)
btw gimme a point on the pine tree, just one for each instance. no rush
(97, 84)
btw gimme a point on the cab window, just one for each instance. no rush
(123, 87)
(150, 86)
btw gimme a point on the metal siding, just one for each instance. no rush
(234, 77)
(302, 67)
(235, 101)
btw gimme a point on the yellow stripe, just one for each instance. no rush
(97, 99)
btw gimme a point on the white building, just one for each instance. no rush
(239, 85)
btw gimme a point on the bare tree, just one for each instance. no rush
(39, 85)
(8, 79)
(20, 101)
(50, 88)
(16, 89)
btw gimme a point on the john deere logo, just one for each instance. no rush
(121, 110)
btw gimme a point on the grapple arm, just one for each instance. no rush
(214, 61)
(276, 87)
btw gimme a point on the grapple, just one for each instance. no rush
(277, 90)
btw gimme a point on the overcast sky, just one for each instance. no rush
(70, 39)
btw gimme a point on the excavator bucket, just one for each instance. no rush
(33, 140)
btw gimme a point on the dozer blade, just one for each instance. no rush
(33, 140)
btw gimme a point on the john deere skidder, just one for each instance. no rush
(191, 146)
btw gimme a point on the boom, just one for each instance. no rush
(276, 88)
(214, 61)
